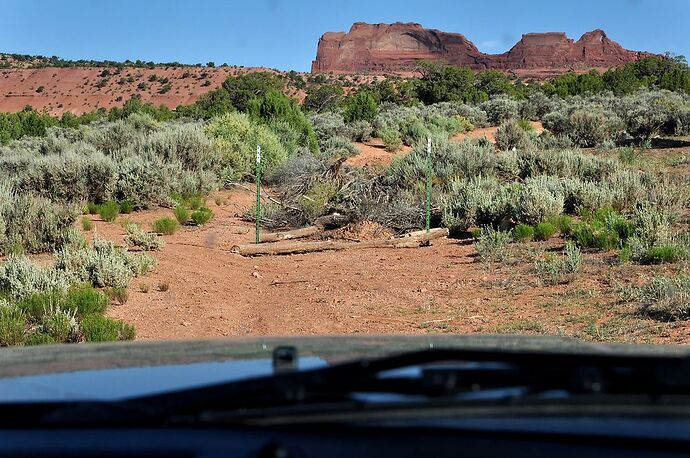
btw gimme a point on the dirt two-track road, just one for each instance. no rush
(443, 288)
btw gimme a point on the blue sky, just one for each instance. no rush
(283, 34)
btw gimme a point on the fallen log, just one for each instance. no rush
(278, 248)
(288, 235)
(423, 232)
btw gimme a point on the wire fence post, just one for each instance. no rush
(258, 193)
(428, 184)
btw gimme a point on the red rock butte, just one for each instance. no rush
(398, 48)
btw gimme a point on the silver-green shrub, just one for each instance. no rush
(492, 245)
(103, 264)
(560, 269)
(537, 200)
(476, 201)
(500, 109)
(20, 278)
(666, 298)
(32, 224)
(135, 235)
(338, 147)
(510, 135)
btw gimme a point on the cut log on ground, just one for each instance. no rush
(423, 232)
(278, 248)
(296, 234)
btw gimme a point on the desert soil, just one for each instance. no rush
(81, 90)
(443, 288)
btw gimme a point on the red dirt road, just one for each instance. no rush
(438, 289)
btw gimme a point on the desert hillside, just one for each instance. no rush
(80, 90)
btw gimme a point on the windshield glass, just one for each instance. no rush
(174, 172)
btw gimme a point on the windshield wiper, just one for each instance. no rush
(431, 377)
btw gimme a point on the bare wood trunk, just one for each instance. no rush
(296, 234)
(308, 247)
(423, 232)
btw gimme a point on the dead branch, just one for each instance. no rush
(278, 248)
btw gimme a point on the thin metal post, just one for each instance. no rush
(428, 184)
(258, 193)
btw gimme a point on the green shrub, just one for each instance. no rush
(464, 124)
(39, 338)
(127, 331)
(492, 245)
(523, 233)
(525, 125)
(12, 325)
(80, 299)
(629, 155)
(607, 240)
(202, 216)
(97, 328)
(391, 140)
(361, 106)
(584, 234)
(163, 286)
(126, 207)
(440, 124)
(144, 288)
(118, 294)
(84, 300)
(181, 214)
(92, 208)
(588, 234)
(86, 223)
(664, 254)
(236, 137)
(108, 211)
(38, 304)
(605, 229)
(563, 223)
(195, 202)
(544, 231)
(276, 109)
(165, 226)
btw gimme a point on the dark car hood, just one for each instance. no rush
(120, 370)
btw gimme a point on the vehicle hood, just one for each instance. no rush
(127, 369)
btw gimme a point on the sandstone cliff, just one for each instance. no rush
(397, 48)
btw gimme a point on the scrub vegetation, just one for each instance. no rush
(580, 181)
